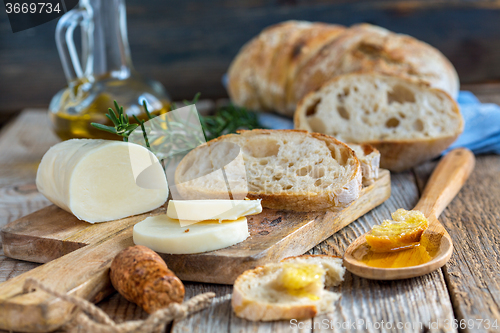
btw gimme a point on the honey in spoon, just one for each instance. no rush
(397, 243)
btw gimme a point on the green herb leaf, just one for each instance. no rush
(111, 115)
(120, 120)
(104, 128)
(227, 120)
(141, 122)
(146, 110)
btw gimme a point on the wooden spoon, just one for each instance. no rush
(445, 182)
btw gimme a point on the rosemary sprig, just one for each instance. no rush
(141, 122)
(122, 126)
(227, 120)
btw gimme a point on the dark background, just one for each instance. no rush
(188, 45)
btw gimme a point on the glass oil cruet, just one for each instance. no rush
(104, 73)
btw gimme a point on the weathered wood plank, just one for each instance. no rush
(220, 317)
(466, 298)
(188, 45)
(22, 144)
(213, 319)
(52, 232)
(418, 304)
(473, 273)
(486, 93)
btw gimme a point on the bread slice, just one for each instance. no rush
(259, 294)
(277, 68)
(369, 158)
(248, 74)
(270, 88)
(367, 48)
(287, 169)
(297, 46)
(406, 120)
(241, 78)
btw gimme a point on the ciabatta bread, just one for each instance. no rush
(287, 169)
(259, 294)
(368, 48)
(407, 121)
(288, 60)
(369, 158)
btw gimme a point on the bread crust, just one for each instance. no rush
(311, 201)
(368, 48)
(241, 86)
(401, 155)
(271, 89)
(296, 48)
(396, 155)
(370, 163)
(249, 72)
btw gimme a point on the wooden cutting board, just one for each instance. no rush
(78, 254)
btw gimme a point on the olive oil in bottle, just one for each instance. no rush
(104, 74)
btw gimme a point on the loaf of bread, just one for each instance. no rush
(291, 289)
(276, 69)
(287, 169)
(407, 121)
(369, 159)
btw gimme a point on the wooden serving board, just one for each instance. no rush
(78, 254)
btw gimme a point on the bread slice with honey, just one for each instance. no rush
(291, 289)
(406, 120)
(287, 169)
(369, 158)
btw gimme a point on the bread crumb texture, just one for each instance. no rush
(368, 107)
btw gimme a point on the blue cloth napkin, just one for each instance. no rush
(482, 124)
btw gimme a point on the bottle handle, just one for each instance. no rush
(66, 45)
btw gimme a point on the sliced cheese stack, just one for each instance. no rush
(208, 225)
(165, 235)
(192, 211)
(100, 180)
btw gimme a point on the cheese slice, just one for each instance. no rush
(165, 235)
(192, 211)
(101, 180)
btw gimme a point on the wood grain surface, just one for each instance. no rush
(446, 180)
(473, 221)
(188, 45)
(467, 287)
(412, 302)
(51, 233)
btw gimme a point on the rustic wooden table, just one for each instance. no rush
(464, 293)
